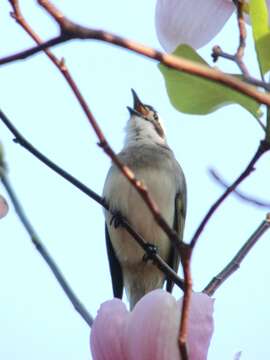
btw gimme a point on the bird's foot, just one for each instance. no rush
(116, 219)
(152, 250)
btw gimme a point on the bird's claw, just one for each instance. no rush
(116, 219)
(152, 250)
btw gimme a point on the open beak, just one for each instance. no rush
(138, 107)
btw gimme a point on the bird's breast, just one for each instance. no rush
(123, 197)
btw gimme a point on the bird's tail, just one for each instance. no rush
(138, 282)
(134, 296)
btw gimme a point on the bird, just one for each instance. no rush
(147, 154)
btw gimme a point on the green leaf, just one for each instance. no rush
(261, 32)
(194, 95)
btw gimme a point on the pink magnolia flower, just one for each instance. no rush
(151, 330)
(3, 207)
(192, 22)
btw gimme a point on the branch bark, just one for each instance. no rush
(234, 264)
(71, 30)
(264, 146)
(183, 331)
(103, 143)
(163, 266)
(247, 198)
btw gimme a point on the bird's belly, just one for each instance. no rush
(127, 200)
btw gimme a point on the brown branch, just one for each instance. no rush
(234, 264)
(244, 197)
(183, 332)
(17, 15)
(239, 54)
(242, 38)
(33, 50)
(263, 147)
(138, 185)
(71, 30)
(162, 265)
(131, 177)
(217, 52)
(238, 57)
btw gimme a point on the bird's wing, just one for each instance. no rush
(179, 222)
(115, 267)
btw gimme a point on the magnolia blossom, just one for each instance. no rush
(151, 330)
(3, 207)
(192, 22)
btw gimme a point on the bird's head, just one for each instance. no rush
(144, 123)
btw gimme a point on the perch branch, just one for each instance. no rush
(163, 266)
(138, 185)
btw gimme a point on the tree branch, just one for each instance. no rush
(103, 143)
(238, 56)
(162, 265)
(248, 199)
(234, 264)
(183, 331)
(263, 147)
(217, 53)
(33, 50)
(71, 30)
(242, 38)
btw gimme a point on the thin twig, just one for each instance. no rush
(162, 265)
(71, 30)
(79, 307)
(217, 52)
(34, 50)
(238, 57)
(249, 199)
(242, 38)
(103, 143)
(234, 264)
(18, 16)
(263, 147)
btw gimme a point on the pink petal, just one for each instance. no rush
(201, 326)
(151, 330)
(107, 335)
(153, 327)
(3, 207)
(192, 22)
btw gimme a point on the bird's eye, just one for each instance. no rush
(155, 116)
